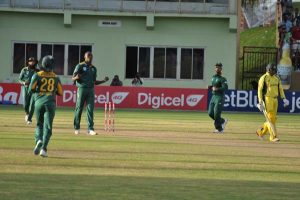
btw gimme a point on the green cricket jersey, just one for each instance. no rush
(88, 75)
(219, 82)
(26, 75)
(46, 85)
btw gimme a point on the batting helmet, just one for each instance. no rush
(271, 67)
(48, 63)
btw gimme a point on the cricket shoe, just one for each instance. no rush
(275, 140)
(43, 153)
(77, 132)
(29, 122)
(91, 132)
(218, 132)
(37, 147)
(224, 124)
(259, 136)
(26, 118)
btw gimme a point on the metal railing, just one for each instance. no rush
(254, 62)
(169, 6)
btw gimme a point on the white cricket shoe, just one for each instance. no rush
(43, 153)
(37, 147)
(26, 118)
(77, 132)
(29, 122)
(224, 124)
(92, 132)
(275, 140)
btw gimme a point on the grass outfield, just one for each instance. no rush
(153, 155)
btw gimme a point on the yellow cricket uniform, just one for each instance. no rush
(269, 87)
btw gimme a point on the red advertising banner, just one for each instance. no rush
(125, 97)
(10, 93)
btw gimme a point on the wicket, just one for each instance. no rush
(109, 116)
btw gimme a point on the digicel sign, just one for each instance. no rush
(123, 97)
(141, 97)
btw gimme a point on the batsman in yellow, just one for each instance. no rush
(269, 88)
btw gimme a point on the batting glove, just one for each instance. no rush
(260, 106)
(286, 102)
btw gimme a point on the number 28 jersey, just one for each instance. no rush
(46, 85)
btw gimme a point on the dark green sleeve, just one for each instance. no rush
(95, 75)
(33, 84)
(77, 70)
(224, 85)
(21, 76)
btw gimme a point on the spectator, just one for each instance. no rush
(137, 81)
(296, 38)
(116, 81)
(289, 6)
(296, 16)
(281, 33)
(287, 22)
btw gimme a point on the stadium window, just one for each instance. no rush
(171, 63)
(21, 53)
(137, 60)
(162, 62)
(59, 56)
(198, 63)
(165, 63)
(159, 62)
(144, 62)
(58, 52)
(31, 50)
(66, 56)
(46, 49)
(76, 55)
(73, 58)
(192, 63)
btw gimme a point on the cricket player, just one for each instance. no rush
(218, 87)
(46, 85)
(24, 78)
(85, 75)
(269, 87)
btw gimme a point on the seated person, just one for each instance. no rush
(137, 81)
(287, 22)
(296, 38)
(116, 81)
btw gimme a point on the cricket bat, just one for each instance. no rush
(269, 121)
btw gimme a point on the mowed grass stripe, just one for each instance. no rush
(176, 151)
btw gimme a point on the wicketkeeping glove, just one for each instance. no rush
(286, 102)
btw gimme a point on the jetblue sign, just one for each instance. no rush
(246, 100)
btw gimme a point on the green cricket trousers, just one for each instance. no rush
(85, 96)
(215, 109)
(28, 102)
(44, 116)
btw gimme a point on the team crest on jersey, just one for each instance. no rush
(84, 69)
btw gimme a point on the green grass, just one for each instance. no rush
(258, 37)
(255, 37)
(152, 155)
